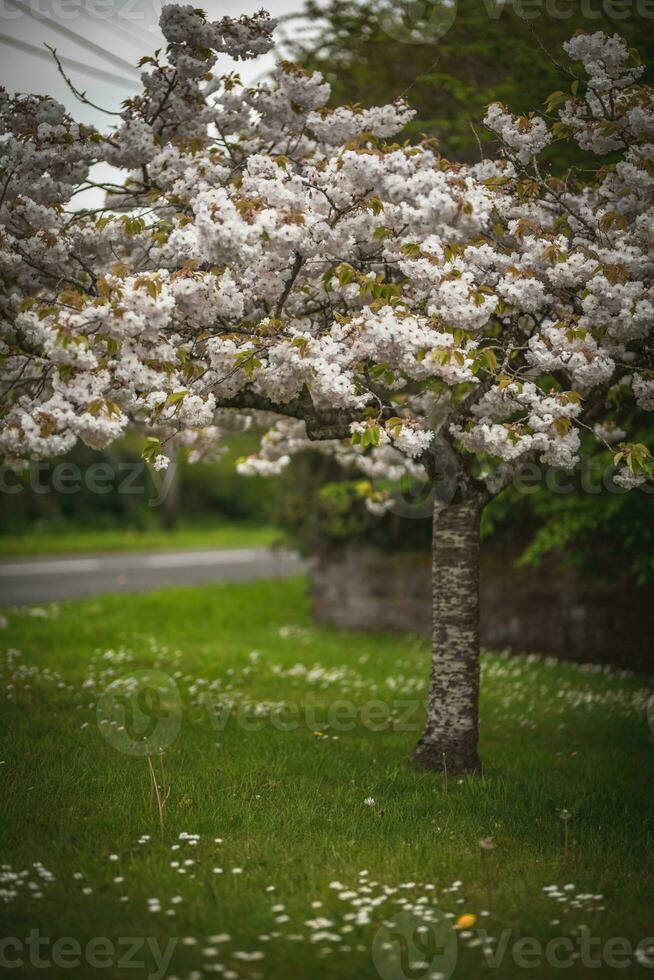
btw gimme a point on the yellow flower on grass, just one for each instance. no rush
(466, 921)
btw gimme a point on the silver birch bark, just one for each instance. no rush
(449, 741)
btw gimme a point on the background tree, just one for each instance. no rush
(452, 58)
(267, 254)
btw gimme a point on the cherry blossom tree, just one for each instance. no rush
(263, 255)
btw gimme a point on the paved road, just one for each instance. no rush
(34, 580)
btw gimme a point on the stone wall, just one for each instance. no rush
(555, 613)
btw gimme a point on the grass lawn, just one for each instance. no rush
(260, 764)
(225, 535)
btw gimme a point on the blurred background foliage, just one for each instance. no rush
(598, 528)
(451, 59)
(138, 498)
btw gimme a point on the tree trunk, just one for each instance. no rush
(449, 742)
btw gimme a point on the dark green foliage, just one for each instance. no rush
(604, 534)
(320, 506)
(489, 53)
(117, 489)
(582, 520)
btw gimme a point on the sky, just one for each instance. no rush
(106, 36)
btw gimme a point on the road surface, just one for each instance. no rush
(25, 581)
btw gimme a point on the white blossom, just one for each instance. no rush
(274, 258)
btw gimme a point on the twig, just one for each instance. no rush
(481, 149)
(78, 95)
(158, 790)
(297, 265)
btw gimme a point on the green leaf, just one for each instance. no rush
(345, 274)
(375, 205)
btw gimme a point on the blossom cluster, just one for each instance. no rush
(268, 254)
